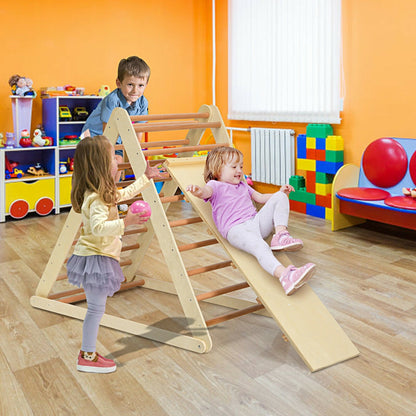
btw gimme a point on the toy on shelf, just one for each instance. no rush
(62, 167)
(10, 143)
(70, 163)
(14, 173)
(38, 140)
(409, 192)
(104, 91)
(21, 86)
(65, 91)
(64, 113)
(25, 140)
(69, 140)
(80, 114)
(37, 170)
(10, 164)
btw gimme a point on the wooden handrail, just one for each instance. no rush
(168, 116)
(183, 142)
(172, 150)
(185, 125)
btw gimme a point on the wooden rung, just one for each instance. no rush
(146, 145)
(232, 315)
(186, 221)
(130, 247)
(125, 262)
(222, 291)
(183, 125)
(135, 231)
(77, 295)
(168, 116)
(174, 198)
(204, 269)
(191, 246)
(198, 148)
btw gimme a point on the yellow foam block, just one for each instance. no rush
(323, 188)
(328, 214)
(311, 143)
(334, 143)
(306, 164)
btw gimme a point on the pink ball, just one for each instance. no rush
(140, 206)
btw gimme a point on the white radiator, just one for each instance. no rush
(272, 155)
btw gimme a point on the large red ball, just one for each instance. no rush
(140, 206)
(384, 162)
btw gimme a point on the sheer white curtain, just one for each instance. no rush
(285, 60)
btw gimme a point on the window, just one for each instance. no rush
(285, 60)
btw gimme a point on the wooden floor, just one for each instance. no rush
(366, 278)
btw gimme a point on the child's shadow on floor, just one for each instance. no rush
(134, 343)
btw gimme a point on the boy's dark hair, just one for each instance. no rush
(133, 66)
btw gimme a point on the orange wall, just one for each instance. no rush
(379, 38)
(81, 42)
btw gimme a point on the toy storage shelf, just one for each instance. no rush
(58, 130)
(23, 192)
(42, 194)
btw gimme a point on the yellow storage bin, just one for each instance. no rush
(65, 184)
(29, 191)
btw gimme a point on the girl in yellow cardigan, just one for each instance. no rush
(95, 262)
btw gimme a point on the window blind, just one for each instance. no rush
(285, 60)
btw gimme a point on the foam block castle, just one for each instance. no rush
(319, 155)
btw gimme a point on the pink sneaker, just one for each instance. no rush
(295, 277)
(283, 241)
(98, 364)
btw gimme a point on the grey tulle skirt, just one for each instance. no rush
(100, 273)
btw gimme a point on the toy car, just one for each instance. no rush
(79, 114)
(64, 113)
(15, 173)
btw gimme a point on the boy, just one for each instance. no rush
(132, 77)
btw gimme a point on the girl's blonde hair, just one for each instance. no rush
(92, 171)
(217, 158)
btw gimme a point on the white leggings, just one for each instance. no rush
(249, 236)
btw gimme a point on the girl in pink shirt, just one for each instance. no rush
(242, 225)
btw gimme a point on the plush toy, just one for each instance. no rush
(409, 192)
(38, 140)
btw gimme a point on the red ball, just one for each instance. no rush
(140, 206)
(384, 162)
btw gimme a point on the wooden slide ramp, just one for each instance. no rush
(302, 317)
